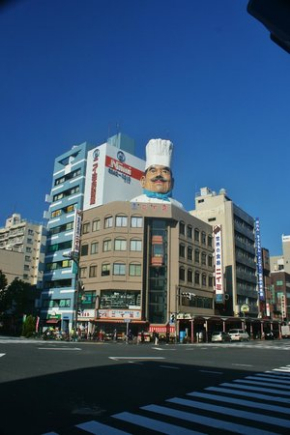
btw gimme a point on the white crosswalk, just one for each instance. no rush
(258, 404)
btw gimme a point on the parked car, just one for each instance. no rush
(220, 337)
(238, 335)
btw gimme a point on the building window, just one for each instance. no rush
(189, 275)
(86, 228)
(121, 221)
(196, 235)
(189, 232)
(94, 248)
(136, 222)
(56, 213)
(119, 269)
(181, 274)
(96, 225)
(189, 253)
(83, 272)
(135, 269)
(106, 269)
(108, 222)
(181, 228)
(93, 271)
(203, 258)
(84, 250)
(203, 238)
(135, 245)
(209, 241)
(209, 261)
(107, 245)
(210, 281)
(203, 279)
(197, 278)
(181, 251)
(120, 245)
(196, 256)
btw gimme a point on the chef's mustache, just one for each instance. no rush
(159, 178)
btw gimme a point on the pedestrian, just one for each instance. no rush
(156, 338)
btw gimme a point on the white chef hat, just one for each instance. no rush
(158, 152)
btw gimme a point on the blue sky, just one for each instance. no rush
(203, 74)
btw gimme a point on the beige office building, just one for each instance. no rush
(238, 281)
(28, 239)
(146, 265)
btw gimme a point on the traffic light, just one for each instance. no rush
(172, 318)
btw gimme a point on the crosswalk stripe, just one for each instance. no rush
(261, 383)
(97, 428)
(269, 380)
(231, 412)
(252, 388)
(207, 421)
(285, 370)
(241, 402)
(247, 393)
(271, 375)
(158, 426)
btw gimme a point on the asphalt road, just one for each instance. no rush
(51, 387)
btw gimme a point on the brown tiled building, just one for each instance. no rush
(144, 265)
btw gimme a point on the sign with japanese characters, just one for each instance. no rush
(112, 175)
(219, 282)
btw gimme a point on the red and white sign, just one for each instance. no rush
(112, 175)
(162, 329)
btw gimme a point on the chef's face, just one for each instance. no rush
(157, 178)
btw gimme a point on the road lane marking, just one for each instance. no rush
(170, 367)
(59, 348)
(243, 365)
(136, 358)
(2, 354)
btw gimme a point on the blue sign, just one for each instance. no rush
(259, 261)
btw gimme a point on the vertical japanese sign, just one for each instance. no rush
(77, 231)
(219, 282)
(259, 261)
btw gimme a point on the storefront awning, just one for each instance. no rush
(52, 321)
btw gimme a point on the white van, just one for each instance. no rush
(239, 335)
